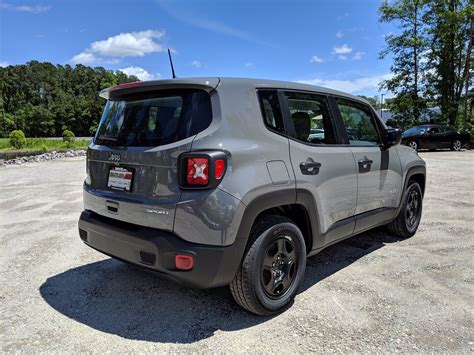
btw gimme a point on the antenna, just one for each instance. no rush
(171, 63)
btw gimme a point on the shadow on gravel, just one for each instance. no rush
(116, 298)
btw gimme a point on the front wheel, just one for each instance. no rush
(456, 145)
(272, 269)
(409, 216)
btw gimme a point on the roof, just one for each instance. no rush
(210, 83)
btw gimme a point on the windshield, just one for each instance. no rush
(150, 120)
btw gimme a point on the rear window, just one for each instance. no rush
(150, 120)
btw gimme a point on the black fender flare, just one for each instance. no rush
(276, 199)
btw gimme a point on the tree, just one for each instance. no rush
(407, 50)
(450, 27)
(43, 99)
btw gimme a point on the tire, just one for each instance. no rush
(413, 145)
(456, 145)
(408, 219)
(270, 289)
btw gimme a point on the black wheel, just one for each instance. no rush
(408, 219)
(272, 269)
(456, 145)
(413, 145)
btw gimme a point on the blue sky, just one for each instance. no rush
(332, 43)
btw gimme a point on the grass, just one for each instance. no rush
(43, 144)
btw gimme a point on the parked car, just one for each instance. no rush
(219, 181)
(433, 136)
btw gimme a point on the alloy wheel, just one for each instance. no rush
(457, 145)
(413, 145)
(413, 208)
(279, 267)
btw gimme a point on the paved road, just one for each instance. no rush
(369, 293)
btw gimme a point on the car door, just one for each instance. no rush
(435, 138)
(379, 174)
(324, 169)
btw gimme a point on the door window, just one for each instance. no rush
(359, 123)
(311, 118)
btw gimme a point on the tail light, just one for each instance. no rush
(201, 170)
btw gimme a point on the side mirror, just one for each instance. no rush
(392, 136)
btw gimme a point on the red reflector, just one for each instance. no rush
(219, 168)
(198, 171)
(184, 262)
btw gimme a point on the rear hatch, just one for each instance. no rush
(132, 161)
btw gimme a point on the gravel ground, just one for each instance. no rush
(369, 293)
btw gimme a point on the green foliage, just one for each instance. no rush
(17, 139)
(450, 27)
(68, 135)
(43, 144)
(432, 58)
(407, 49)
(43, 99)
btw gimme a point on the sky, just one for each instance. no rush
(331, 43)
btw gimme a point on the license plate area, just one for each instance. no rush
(120, 178)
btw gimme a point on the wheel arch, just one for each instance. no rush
(282, 203)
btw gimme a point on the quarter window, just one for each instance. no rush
(359, 123)
(311, 118)
(271, 110)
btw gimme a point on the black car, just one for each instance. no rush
(433, 136)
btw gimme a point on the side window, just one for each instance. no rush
(271, 110)
(311, 118)
(359, 123)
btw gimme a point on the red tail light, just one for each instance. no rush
(202, 170)
(198, 171)
(219, 168)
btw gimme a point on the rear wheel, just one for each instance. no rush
(408, 219)
(456, 145)
(272, 269)
(413, 145)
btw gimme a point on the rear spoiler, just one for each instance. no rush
(207, 84)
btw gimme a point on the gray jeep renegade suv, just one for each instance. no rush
(216, 181)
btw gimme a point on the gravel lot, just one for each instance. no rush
(369, 293)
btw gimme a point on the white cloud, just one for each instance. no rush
(316, 59)
(140, 73)
(196, 64)
(368, 84)
(344, 49)
(84, 58)
(339, 34)
(342, 57)
(3, 64)
(34, 9)
(249, 65)
(131, 44)
(358, 55)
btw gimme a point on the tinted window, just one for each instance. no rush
(150, 120)
(359, 123)
(311, 118)
(271, 110)
(414, 130)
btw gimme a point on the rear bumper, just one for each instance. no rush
(155, 250)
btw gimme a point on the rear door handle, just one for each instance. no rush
(310, 167)
(365, 165)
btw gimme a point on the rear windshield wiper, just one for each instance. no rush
(108, 139)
